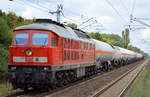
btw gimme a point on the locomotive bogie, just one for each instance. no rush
(37, 77)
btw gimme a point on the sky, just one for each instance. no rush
(105, 16)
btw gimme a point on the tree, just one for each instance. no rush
(7, 24)
(125, 36)
(4, 35)
(1, 13)
(12, 19)
(72, 25)
(20, 19)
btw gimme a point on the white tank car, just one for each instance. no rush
(117, 56)
(126, 54)
(104, 51)
(139, 56)
(134, 54)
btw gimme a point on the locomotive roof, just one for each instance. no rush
(60, 30)
(49, 21)
(81, 33)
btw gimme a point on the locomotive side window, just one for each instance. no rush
(40, 39)
(54, 41)
(71, 44)
(21, 39)
(65, 42)
(61, 43)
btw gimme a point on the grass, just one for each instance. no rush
(5, 88)
(141, 87)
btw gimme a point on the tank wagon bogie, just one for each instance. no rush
(47, 54)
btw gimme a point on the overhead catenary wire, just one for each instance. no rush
(21, 4)
(33, 6)
(74, 21)
(40, 8)
(85, 21)
(45, 9)
(133, 7)
(124, 6)
(61, 1)
(122, 18)
(47, 5)
(132, 11)
(89, 24)
(48, 8)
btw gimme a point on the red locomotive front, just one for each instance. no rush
(33, 48)
(31, 52)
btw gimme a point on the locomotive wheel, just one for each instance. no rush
(14, 85)
(26, 89)
(72, 76)
(105, 68)
(54, 85)
(60, 82)
(59, 77)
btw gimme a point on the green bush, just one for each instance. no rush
(4, 54)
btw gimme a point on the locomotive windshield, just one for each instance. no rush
(40, 39)
(21, 38)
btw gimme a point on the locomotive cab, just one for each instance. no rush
(33, 47)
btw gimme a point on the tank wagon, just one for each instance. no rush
(47, 54)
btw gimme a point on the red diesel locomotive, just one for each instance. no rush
(46, 53)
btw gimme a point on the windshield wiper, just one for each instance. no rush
(16, 42)
(45, 41)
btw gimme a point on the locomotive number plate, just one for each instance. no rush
(29, 59)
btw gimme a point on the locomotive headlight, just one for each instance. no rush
(29, 52)
(13, 68)
(45, 68)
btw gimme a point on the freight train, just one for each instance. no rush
(47, 54)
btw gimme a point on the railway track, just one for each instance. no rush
(71, 87)
(118, 87)
(86, 89)
(12, 93)
(32, 93)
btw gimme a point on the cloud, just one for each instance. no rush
(28, 13)
(106, 20)
(145, 34)
(141, 39)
